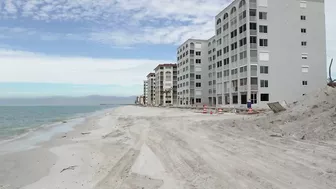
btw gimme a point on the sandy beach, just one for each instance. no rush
(160, 148)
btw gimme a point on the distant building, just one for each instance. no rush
(191, 57)
(150, 89)
(166, 84)
(145, 92)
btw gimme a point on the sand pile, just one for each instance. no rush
(312, 118)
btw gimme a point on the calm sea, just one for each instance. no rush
(17, 120)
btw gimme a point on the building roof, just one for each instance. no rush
(165, 65)
(151, 74)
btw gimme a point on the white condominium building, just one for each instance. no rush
(150, 89)
(269, 50)
(165, 84)
(191, 56)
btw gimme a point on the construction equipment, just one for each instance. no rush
(331, 82)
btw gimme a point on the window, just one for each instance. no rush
(303, 30)
(263, 29)
(210, 83)
(234, 34)
(184, 77)
(253, 12)
(242, 15)
(225, 26)
(303, 43)
(192, 52)
(263, 83)
(264, 69)
(226, 61)
(219, 31)
(263, 15)
(226, 50)
(263, 42)
(243, 69)
(198, 76)
(219, 53)
(187, 75)
(198, 85)
(264, 56)
(303, 17)
(305, 69)
(198, 61)
(198, 100)
(198, 53)
(243, 55)
(234, 58)
(304, 82)
(219, 64)
(253, 26)
(242, 42)
(242, 28)
(253, 39)
(210, 67)
(219, 21)
(304, 56)
(219, 41)
(233, 21)
(264, 97)
(234, 46)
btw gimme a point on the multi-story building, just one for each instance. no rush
(210, 73)
(191, 58)
(145, 91)
(165, 84)
(269, 50)
(150, 89)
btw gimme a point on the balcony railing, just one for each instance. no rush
(234, 89)
(242, 35)
(226, 78)
(253, 5)
(243, 62)
(253, 18)
(243, 88)
(234, 64)
(254, 87)
(243, 74)
(253, 32)
(254, 59)
(235, 76)
(253, 45)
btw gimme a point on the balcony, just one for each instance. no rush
(235, 76)
(253, 45)
(226, 78)
(243, 62)
(243, 88)
(234, 51)
(254, 87)
(192, 55)
(254, 59)
(242, 21)
(253, 5)
(253, 32)
(234, 89)
(226, 67)
(234, 39)
(243, 48)
(253, 18)
(243, 74)
(234, 64)
(242, 35)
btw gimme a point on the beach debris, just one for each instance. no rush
(276, 135)
(303, 137)
(64, 136)
(64, 121)
(86, 133)
(69, 168)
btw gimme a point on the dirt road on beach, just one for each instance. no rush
(156, 148)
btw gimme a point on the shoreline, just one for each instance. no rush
(70, 119)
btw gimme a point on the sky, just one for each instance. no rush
(104, 47)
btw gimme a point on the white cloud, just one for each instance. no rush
(19, 66)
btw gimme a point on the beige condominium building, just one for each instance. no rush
(145, 91)
(150, 94)
(166, 84)
(191, 56)
(269, 50)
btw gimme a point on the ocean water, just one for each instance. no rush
(18, 120)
